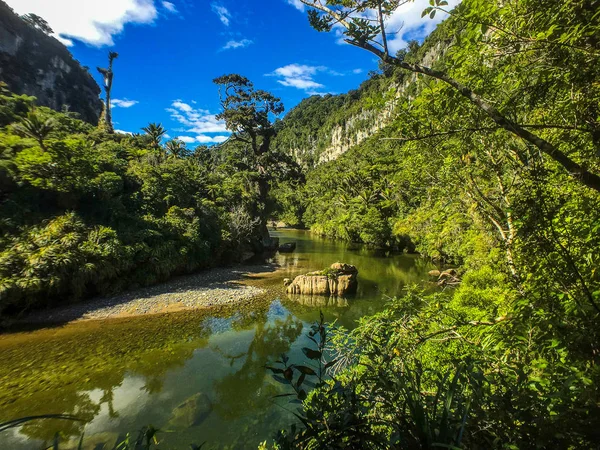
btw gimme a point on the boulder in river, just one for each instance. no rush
(338, 280)
(191, 412)
(288, 247)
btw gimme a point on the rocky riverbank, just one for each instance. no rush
(216, 287)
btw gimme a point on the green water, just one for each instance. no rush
(120, 375)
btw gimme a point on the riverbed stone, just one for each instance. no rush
(191, 412)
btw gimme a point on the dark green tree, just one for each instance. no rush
(155, 132)
(35, 127)
(248, 114)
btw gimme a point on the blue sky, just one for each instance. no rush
(171, 50)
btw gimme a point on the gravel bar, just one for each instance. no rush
(202, 290)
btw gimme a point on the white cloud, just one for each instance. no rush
(222, 12)
(296, 4)
(299, 76)
(123, 103)
(124, 132)
(170, 7)
(409, 24)
(237, 44)
(203, 139)
(91, 21)
(357, 71)
(198, 121)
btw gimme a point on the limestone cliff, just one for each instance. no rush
(35, 64)
(321, 129)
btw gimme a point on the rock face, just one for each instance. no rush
(338, 280)
(35, 64)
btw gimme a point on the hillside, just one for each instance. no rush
(322, 128)
(35, 64)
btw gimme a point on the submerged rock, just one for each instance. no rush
(191, 412)
(338, 280)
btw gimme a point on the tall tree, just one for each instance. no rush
(247, 113)
(156, 133)
(108, 75)
(35, 127)
(175, 147)
(363, 24)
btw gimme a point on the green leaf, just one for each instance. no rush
(305, 370)
(311, 354)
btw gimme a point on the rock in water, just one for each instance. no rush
(288, 247)
(191, 412)
(338, 280)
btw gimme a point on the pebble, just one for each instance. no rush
(210, 288)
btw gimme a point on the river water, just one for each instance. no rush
(197, 376)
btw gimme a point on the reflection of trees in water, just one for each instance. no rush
(75, 371)
(244, 391)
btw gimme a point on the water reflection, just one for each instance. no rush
(201, 374)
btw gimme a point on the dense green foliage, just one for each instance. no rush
(84, 212)
(509, 358)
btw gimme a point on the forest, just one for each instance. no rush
(480, 150)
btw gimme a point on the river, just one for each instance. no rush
(196, 375)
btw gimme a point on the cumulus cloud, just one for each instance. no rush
(91, 21)
(222, 12)
(237, 44)
(296, 4)
(123, 103)
(196, 121)
(124, 132)
(170, 7)
(203, 139)
(409, 24)
(299, 76)
(357, 71)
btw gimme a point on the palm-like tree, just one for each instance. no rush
(156, 133)
(175, 147)
(36, 127)
(108, 80)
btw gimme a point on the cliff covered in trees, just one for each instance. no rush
(36, 64)
(322, 128)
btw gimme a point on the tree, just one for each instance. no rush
(108, 75)
(156, 133)
(364, 26)
(175, 147)
(37, 22)
(247, 113)
(35, 127)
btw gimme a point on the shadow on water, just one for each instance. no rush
(201, 374)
